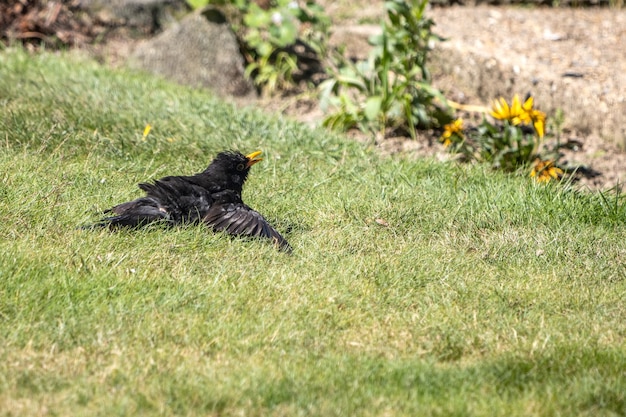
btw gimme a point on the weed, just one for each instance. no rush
(511, 142)
(391, 90)
(276, 36)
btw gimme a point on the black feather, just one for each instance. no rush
(212, 197)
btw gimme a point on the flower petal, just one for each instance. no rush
(528, 104)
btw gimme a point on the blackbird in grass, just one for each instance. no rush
(212, 197)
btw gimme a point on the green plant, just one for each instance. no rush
(197, 4)
(509, 143)
(392, 88)
(275, 35)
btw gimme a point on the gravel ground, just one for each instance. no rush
(571, 60)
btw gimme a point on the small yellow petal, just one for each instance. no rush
(516, 107)
(539, 128)
(500, 109)
(557, 172)
(539, 121)
(528, 104)
(146, 130)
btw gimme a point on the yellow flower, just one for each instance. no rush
(519, 113)
(454, 128)
(539, 121)
(536, 117)
(516, 113)
(528, 104)
(501, 110)
(544, 171)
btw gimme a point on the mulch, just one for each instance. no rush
(53, 24)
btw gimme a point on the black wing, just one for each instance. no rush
(240, 220)
(135, 213)
(173, 199)
(184, 201)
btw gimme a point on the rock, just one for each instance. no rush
(144, 16)
(199, 53)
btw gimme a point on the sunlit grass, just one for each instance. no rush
(415, 288)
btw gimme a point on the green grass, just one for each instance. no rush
(479, 294)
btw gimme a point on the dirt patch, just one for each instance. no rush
(571, 60)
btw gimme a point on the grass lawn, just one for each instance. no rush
(415, 288)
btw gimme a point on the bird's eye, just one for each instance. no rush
(241, 167)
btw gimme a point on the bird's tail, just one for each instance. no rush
(132, 214)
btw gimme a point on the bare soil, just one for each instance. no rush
(571, 60)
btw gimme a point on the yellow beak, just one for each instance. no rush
(253, 158)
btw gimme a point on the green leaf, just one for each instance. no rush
(376, 40)
(265, 49)
(326, 89)
(196, 4)
(351, 80)
(256, 17)
(372, 107)
(288, 33)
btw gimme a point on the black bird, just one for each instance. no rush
(212, 197)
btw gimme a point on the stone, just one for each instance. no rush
(143, 16)
(199, 53)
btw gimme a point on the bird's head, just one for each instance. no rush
(230, 168)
